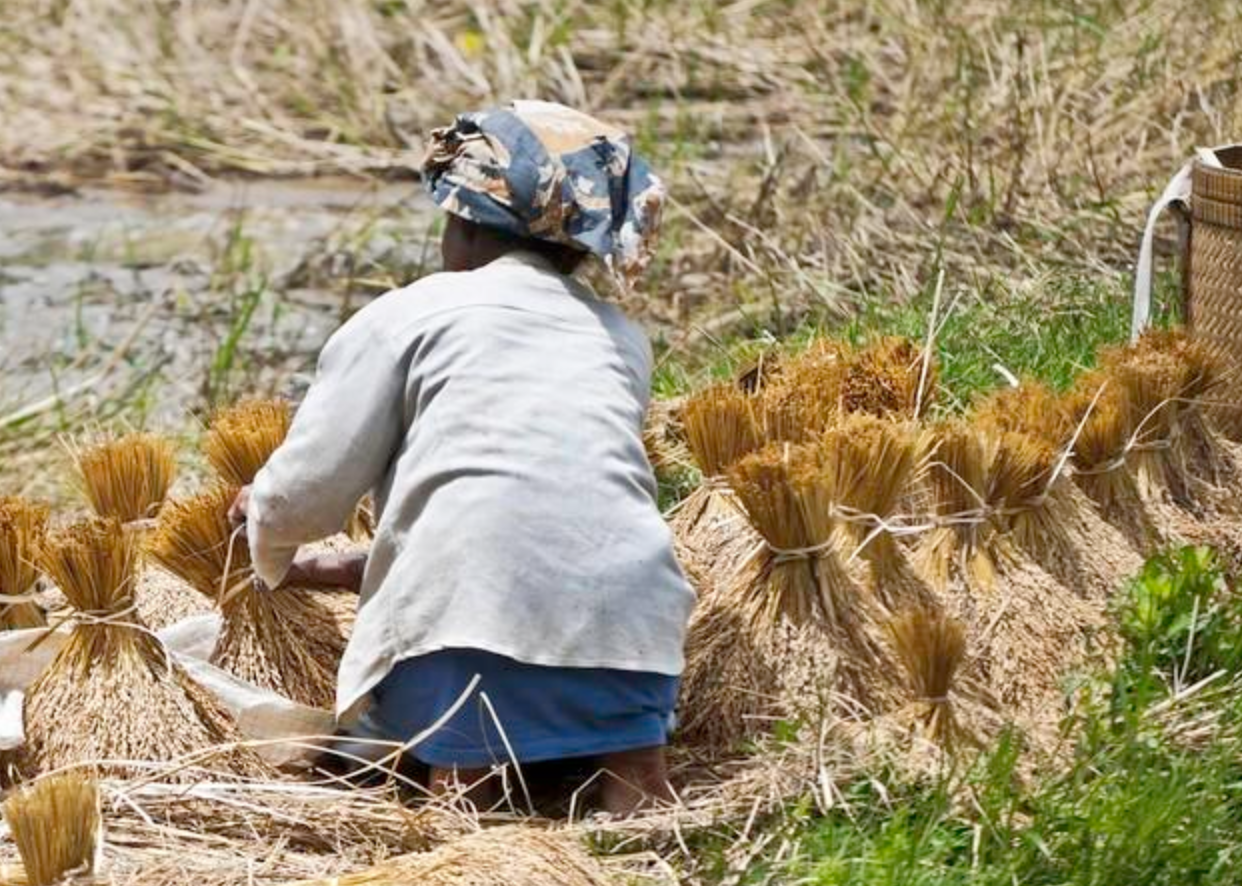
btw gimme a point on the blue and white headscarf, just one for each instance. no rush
(538, 169)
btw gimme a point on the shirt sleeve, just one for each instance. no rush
(343, 437)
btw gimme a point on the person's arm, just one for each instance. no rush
(343, 438)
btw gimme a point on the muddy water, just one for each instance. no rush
(136, 305)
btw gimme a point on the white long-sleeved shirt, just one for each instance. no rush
(497, 417)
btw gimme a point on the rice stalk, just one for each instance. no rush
(720, 427)
(284, 640)
(243, 437)
(931, 647)
(517, 855)
(23, 525)
(57, 826)
(126, 477)
(113, 698)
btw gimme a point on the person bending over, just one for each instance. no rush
(495, 412)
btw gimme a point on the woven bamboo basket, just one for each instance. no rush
(1206, 195)
(1213, 275)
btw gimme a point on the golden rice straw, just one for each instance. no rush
(1031, 408)
(879, 462)
(57, 826)
(1104, 426)
(710, 528)
(113, 698)
(22, 527)
(126, 477)
(283, 640)
(794, 582)
(243, 437)
(517, 855)
(887, 379)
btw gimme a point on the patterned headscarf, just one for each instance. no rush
(538, 169)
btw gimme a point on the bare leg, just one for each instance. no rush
(476, 785)
(634, 780)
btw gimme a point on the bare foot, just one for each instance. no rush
(476, 785)
(634, 780)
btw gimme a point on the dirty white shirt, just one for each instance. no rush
(497, 417)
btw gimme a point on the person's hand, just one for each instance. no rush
(342, 571)
(241, 504)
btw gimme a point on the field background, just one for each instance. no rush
(193, 195)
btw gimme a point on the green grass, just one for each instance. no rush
(1049, 332)
(1134, 806)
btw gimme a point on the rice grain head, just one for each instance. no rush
(125, 477)
(804, 400)
(113, 698)
(884, 379)
(23, 525)
(516, 855)
(931, 647)
(243, 437)
(56, 825)
(1031, 408)
(284, 640)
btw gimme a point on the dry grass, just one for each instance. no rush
(815, 154)
(56, 824)
(125, 477)
(720, 428)
(113, 699)
(516, 856)
(283, 640)
(22, 527)
(243, 437)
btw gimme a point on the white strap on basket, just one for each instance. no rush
(1176, 191)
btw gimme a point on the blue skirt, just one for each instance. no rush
(546, 713)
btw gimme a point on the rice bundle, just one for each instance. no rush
(1028, 628)
(243, 437)
(515, 855)
(113, 698)
(283, 640)
(888, 379)
(931, 648)
(958, 479)
(126, 477)
(878, 461)
(1104, 425)
(56, 825)
(795, 584)
(22, 527)
(1150, 382)
(709, 525)
(1052, 522)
